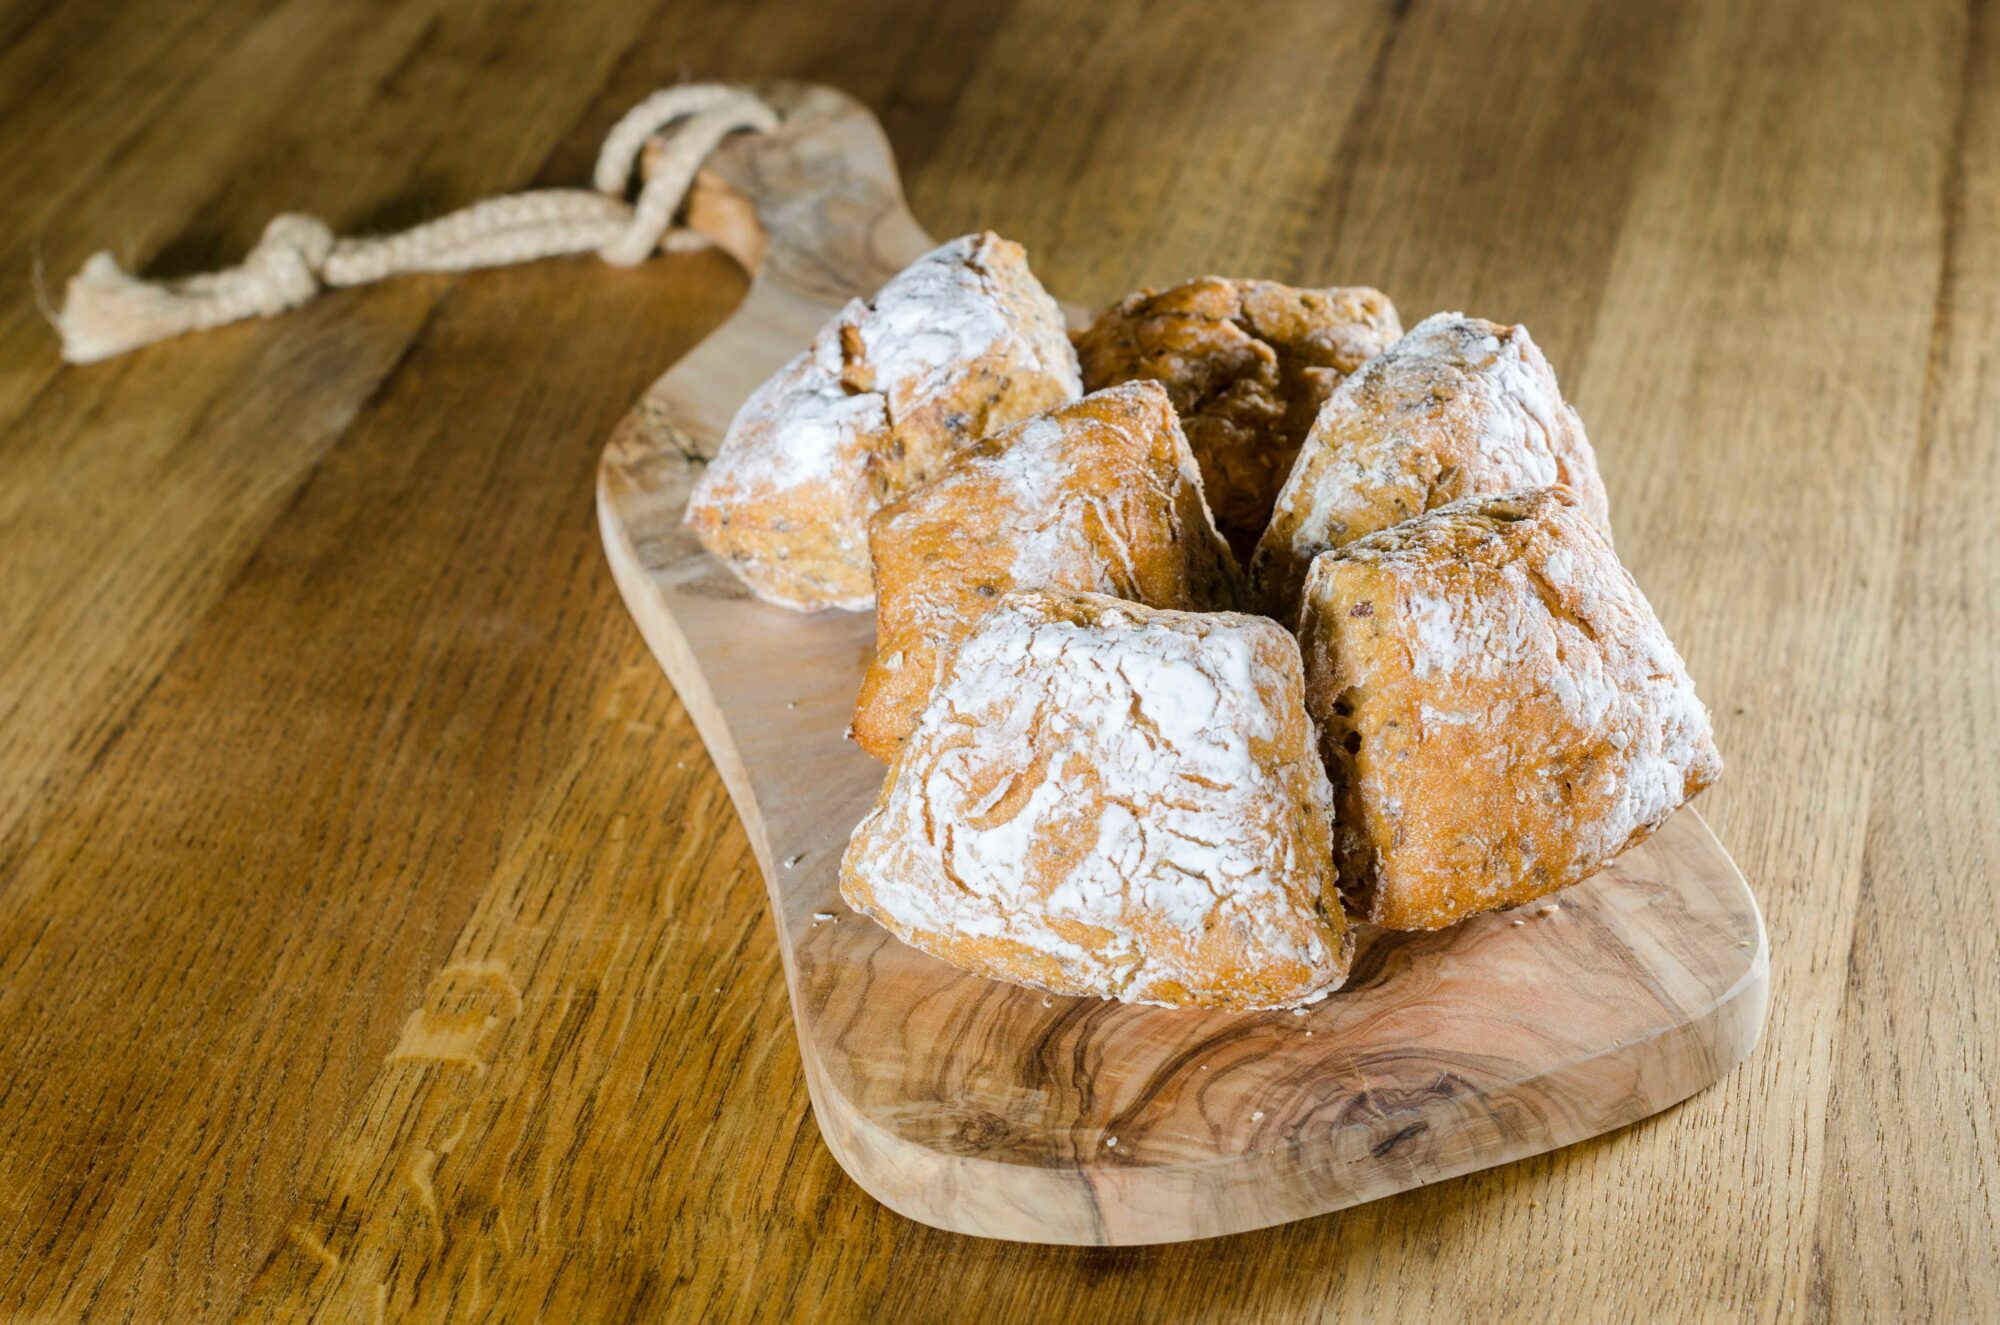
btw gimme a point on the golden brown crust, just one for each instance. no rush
(1500, 712)
(1459, 406)
(1101, 494)
(960, 343)
(1113, 800)
(1248, 365)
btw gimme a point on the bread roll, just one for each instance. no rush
(1103, 798)
(962, 342)
(1499, 709)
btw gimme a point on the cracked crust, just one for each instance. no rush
(1100, 495)
(1457, 407)
(962, 342)
(1248, 365)
(1113, 800)
(1499, 709)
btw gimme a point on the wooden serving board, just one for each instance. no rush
(990, 1109)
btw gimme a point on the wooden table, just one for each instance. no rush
(376, 941)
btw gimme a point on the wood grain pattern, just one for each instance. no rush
(1755, 241)
(988, 1109)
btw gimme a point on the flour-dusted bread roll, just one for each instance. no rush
(962, 342)
(1499, 708)
(1459, 406)
(1103, 798)
(1248, 365)
(1100, 494)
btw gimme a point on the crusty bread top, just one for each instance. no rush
(1459, 406)
(1103, 798)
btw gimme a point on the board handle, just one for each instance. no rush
(814, 208)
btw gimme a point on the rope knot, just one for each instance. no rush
(283, 271)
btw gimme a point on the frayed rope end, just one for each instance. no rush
(107, 311)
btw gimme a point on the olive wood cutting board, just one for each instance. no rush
(996, 1110)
